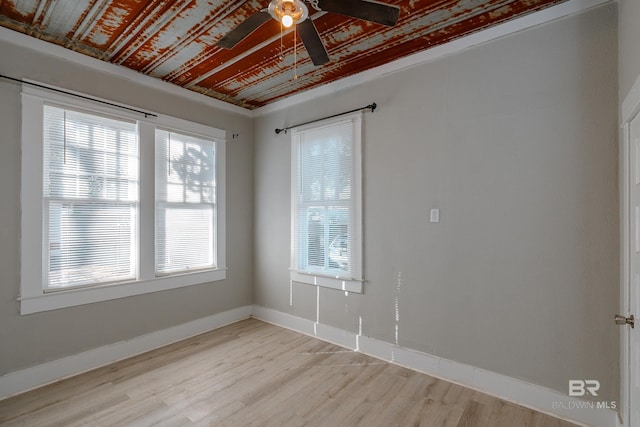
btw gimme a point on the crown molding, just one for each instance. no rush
(532, 20)
(27, 42)
(526, 22)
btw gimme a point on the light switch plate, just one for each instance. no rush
(435, 215)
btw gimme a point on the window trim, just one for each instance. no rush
(167, 204)
(54, 198)
(348, 284)
(33, 297)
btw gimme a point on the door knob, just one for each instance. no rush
(621, 320)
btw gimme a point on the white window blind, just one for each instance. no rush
(325, 212)
(90, 198)
(185, 203)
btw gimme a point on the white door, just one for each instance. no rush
(631, 303)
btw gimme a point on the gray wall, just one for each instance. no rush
(30, 340)
(629, 52)
(515, 142)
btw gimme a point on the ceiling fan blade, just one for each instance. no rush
(245, 28)
(374, 12)
(312, 42)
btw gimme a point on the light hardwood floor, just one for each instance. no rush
(255, 374)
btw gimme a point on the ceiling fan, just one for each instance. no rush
(295, 12)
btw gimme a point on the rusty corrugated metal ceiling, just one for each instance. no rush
(175, 40)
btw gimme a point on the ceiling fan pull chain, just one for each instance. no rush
(281, 44)
(295, 52)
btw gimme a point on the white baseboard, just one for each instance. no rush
(37, 376)
(308, 327)
(511, 389)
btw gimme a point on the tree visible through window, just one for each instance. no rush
(185, 202)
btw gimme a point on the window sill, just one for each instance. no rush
(63, 298)
(349, 285)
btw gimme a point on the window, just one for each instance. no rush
(326, 204)
(185, 202)
(121, 205)
(90, 198)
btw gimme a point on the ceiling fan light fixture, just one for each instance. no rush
(287, 21)
(288, 12)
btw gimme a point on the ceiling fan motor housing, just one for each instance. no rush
(283, 10)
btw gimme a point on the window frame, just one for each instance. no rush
(344, 283)
(166, 204)
(34, 298)
(55, 197)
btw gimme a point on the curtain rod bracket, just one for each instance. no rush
(371, 107)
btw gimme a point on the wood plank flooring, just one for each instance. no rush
(255, 374)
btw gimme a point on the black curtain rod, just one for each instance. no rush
(371, 107)
(146, 114)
